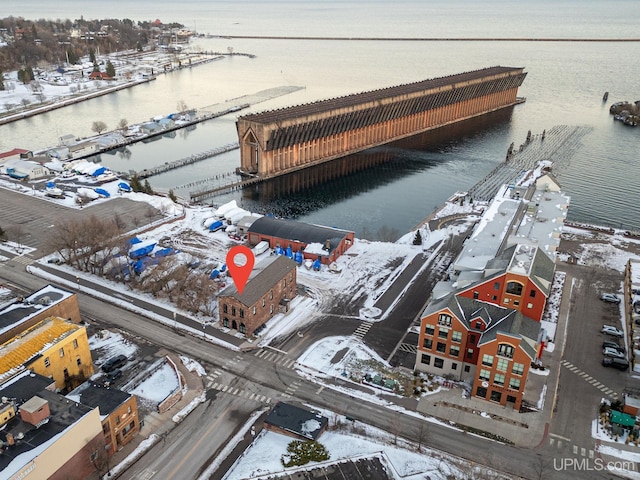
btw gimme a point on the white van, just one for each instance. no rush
(261, 247)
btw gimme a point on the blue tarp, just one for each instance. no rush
(124, 187)
(298, 257)
(143, 263)
(279, 251)
(224, 267)
(217, 225)
(164, 252)
(134, 240)
(51, 185)
(215, 274)
(99, 171)
(317, 264)
(102, 192)
(289, 253)
(140, 251)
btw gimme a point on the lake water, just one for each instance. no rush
(564, 86)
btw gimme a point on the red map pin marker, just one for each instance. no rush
(240, 262)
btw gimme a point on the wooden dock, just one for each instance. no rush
(196, 157)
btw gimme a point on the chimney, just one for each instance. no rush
(35, 411)
(327, 244)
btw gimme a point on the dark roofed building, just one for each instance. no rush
(269, 290)
(46, 432)
(315, 241)
(118, 411)
(295, 421)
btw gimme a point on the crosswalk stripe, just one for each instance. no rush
(252, 396)
(225, 388)
(215, 386)
(235, 392)
(268, 400)
(590, 453)
(262, 398)
(575, 449)
(552, 441)
(559, 443)
(583, 451)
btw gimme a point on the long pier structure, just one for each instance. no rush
(280, 141)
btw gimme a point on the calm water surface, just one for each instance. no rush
(565, 84)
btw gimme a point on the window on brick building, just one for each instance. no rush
(502, 365)
(454, 351)
(496, 396)
(443, 333)
(481, 392)
(484, 374)
(532, 293)
(514, 288)
(498, 379)
(518, 368)
(444, 319)
(487, 360)
(429, 329)
(441, 347)
(427, 343)
(225, 308)
(242, 313)
(438, 362)
(233, 311)
(514, 383)
(505, 350)
(425, 359)
(456, 336)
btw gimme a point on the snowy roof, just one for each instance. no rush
(36, 440)
(296, 420)
(94, 395)
(298, 231)
(21, 311)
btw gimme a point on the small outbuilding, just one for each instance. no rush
(295, 421)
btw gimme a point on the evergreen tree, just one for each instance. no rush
(172, 196)
(29, 75)
(92, 56)
(136, 186)
(417, 240)
(1, 81)
(139, 47)
(111, 70)
(96, 67)
(147, 187)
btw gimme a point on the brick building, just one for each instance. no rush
(461, 337)
(269, 290)
(314, 241)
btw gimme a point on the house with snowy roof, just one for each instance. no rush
(295, 421)
(54, 347)
(46, 435)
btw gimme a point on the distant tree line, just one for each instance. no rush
(50, 42)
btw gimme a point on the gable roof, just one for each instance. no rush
(298, 231)
(265, 275)
(516, 325)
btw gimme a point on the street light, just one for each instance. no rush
(78, 281)
(175, 321)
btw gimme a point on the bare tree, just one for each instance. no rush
(123, 124)
(98, 127)
(182, 106)
(541, 467)
(16, 233)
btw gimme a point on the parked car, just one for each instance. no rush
(113, 363)
(636, 306)
(610, 298)
(612, 352)
(613, 331)
(619, 363)
(614, 345)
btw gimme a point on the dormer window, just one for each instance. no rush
(444, 320)
(505, 350)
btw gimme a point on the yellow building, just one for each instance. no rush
(55, 348)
